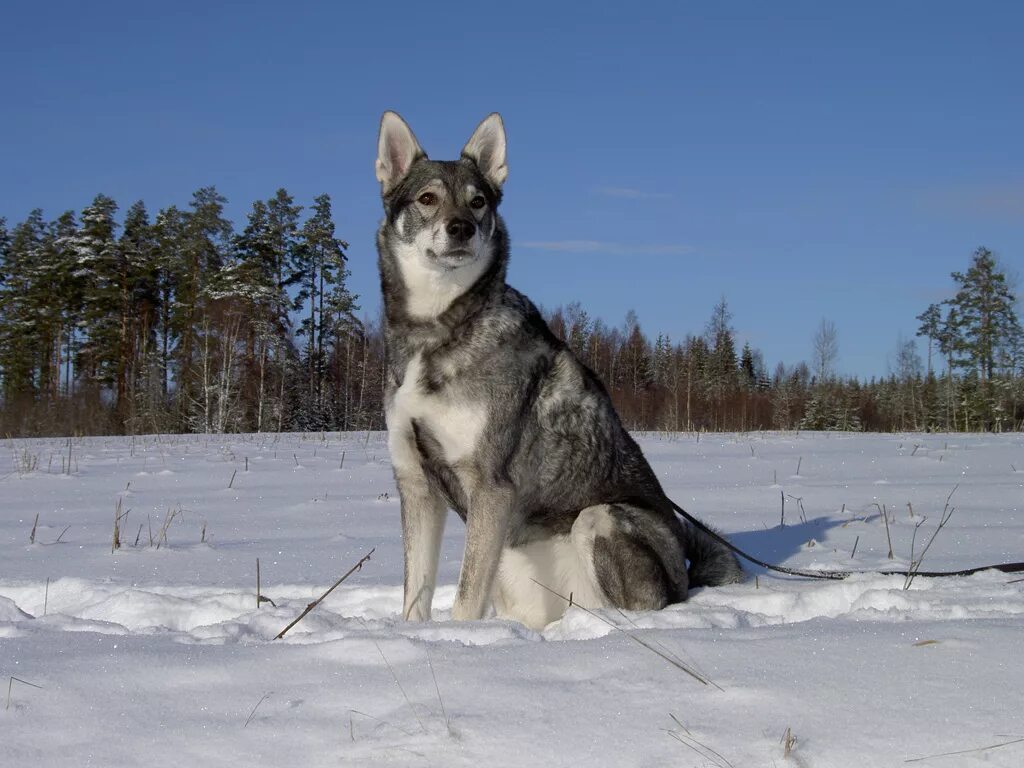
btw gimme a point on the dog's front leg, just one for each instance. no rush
(486, 525)
(423, 517)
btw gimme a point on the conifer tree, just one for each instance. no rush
(97, 265)
(320, 263)
(19, 305)
(985, 320)
(578, 329)
(169, 234)
(140, 299)
(5, 247)
(204, 244)
(60, 289)
(748, 373)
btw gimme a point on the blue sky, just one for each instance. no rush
(804, 160)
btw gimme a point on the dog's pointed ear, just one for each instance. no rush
(397, 150)
(486, 147)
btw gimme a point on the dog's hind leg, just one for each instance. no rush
(633, 557)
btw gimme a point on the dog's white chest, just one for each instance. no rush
(457, 426)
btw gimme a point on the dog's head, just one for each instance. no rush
(441, 225)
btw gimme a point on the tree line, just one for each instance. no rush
(180, 323)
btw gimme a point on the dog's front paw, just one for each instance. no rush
(462, 611)
(416, 612)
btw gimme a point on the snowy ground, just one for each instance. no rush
(158, 655)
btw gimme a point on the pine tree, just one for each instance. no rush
(578, 329)
(98, 266)
(722, 372)
(169, 232)
(19, 307)
(697, 361)
(985, 330)
(748, 373)
(198, 255)
(61, 292)
(5, 249)
(985, 318)
(138, 371)
(320, 264)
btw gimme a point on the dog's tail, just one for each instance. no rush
(712, 564)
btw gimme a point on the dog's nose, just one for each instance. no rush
(460, 229)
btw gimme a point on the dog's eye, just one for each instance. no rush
(477, 202)
(427, 198)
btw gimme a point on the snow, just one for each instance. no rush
(159, 656)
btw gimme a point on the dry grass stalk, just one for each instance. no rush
(358, 566)
(966, 751)
(405, 696)
(351, 730)
(800, 504)
(884, 512)
(161, 537)
(32, 536)
(915, 565)
(264, 698)
(115, 543)
(788, 741)
(11, 683)
(669, 657)
(687, 740)
(444, 711)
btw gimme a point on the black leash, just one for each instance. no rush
(837, 575)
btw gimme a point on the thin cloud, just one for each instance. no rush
(1000, 200)
(609, 248)
(629, 193)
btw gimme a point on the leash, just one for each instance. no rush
(836, 575)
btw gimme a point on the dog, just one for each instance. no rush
(491, 415)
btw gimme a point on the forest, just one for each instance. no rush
(179, 323)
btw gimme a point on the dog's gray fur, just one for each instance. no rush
(491, 415)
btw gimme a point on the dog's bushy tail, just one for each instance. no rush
(712, 564)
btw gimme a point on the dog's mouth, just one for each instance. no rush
(452, 258)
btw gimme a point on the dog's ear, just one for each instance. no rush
(397, 150)
(486, 147)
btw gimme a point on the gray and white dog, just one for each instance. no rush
(489, 414)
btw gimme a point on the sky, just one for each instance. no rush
(804, 160)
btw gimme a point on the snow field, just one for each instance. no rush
(160, 655)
